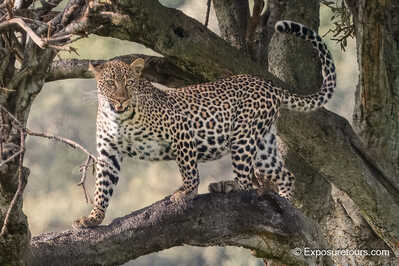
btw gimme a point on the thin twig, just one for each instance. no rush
(68, 142)
(60, 38)
(11, 157)
(208, 10)
(83, 179)
(64, 48)
(12, 116)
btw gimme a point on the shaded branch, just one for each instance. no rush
(267, 224)
(158, 69)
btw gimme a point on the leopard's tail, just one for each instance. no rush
(313, 101)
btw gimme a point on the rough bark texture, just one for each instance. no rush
(19, 88)
(267, 224)
(157, 69)
(332, 208)
(376, 116)
(233, 20)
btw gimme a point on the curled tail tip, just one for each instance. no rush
(292, 27)
(287, 26)
(282, 25)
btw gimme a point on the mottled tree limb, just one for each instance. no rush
(268, 224)
(158, 69)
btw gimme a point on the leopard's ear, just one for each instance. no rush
(95, 69)
(137, 66)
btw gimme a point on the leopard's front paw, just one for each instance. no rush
(225, 186)
(181, 194)
(95, 218)
(263, 184)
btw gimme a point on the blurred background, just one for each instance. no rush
(68, 108)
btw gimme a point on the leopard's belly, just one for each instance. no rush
(164, 151)
(145, 144)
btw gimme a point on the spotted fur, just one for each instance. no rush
(198, 123)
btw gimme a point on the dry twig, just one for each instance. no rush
(18, 21)
(208, 10)
(82, 182)
(90, 157)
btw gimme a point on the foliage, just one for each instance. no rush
(342, 21)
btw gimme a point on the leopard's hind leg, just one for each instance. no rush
(269, 165)
(242, 149)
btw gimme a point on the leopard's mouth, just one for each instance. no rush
(120, 107)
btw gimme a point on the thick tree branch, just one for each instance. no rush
(158, 69)
(182, 39)
(327, 142)
(267, 224)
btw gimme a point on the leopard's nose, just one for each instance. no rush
(119, 107)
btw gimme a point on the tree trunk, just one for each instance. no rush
(326, 204)
(376, 116)
(20, 87)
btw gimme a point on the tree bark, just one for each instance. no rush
(376, 116)
(318, 200)
(157, 69)
(22, 87)
(233, 18)
(267, 224)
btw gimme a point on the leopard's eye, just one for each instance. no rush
(110, 82)
(129, 82)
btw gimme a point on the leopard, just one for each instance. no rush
(196, 124)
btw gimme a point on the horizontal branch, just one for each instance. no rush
(158, 69)
(269, 225)
(186, 42)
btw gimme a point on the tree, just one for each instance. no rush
(333, 165)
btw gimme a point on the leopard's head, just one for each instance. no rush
(116, 81)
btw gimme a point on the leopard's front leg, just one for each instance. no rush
(107, 176)
(186, 159)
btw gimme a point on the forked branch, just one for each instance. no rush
(91, 159)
